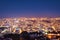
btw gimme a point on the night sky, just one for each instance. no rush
(29, 8)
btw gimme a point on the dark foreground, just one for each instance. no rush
(24, 36)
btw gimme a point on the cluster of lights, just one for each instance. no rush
(31, 24)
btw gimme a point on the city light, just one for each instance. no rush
(44, 25)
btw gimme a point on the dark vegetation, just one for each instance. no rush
(25, 36)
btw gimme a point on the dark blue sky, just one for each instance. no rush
(29, 8)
